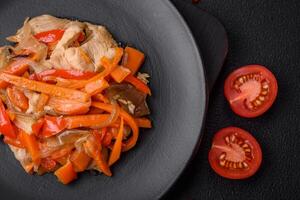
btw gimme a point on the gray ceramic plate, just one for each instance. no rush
(178, 102)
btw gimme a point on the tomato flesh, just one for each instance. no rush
(251, 90)
(235, 153)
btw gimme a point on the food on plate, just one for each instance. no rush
(235, 153)
(71, 99)
(251, 90)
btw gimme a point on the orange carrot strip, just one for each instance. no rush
(109, 66)
(143, 122)
(81, 83)
(118, 56)
(94, 110)
(11, 115)
(135, 59)
(96, 86)
(62, 82)
(43, 99)
(62, 152)
(102, 164)
(80, 160)
(86, 120)
(131, 142)
(32, 146)
(138, 84)
(100, 97)
(17, 67)
(49, 89)
(120, 73)
(68, 107)
(117, 148)
(95, 148)
(66, 173)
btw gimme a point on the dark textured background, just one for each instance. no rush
(265, 32)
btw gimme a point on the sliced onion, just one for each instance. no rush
(24, 122)
(65, 138)
(71, 136)
(111, 119)
(27, 41)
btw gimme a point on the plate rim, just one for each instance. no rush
(180, 18)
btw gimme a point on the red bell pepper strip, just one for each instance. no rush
(37, 127)
(53, 125)
(6, 127)
(14, 142)
(50, 36)
(17, 67)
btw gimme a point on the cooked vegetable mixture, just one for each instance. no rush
(70, 99)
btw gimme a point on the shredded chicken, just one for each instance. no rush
(46, 23)
(26, 40)
(99, 43)
(23, 157)
(4, 56)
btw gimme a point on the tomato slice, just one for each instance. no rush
(235, 153)
(251, 90)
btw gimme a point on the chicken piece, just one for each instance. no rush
(72, 31)
(99, 43)
(5, 56)
(39, 24)
(27, 41)
(23, 157)
(65, 57)
(46, 23)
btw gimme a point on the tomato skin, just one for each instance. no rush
(216, 150)
(239, 107)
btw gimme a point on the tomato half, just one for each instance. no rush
(235, 153)
(251, 90)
